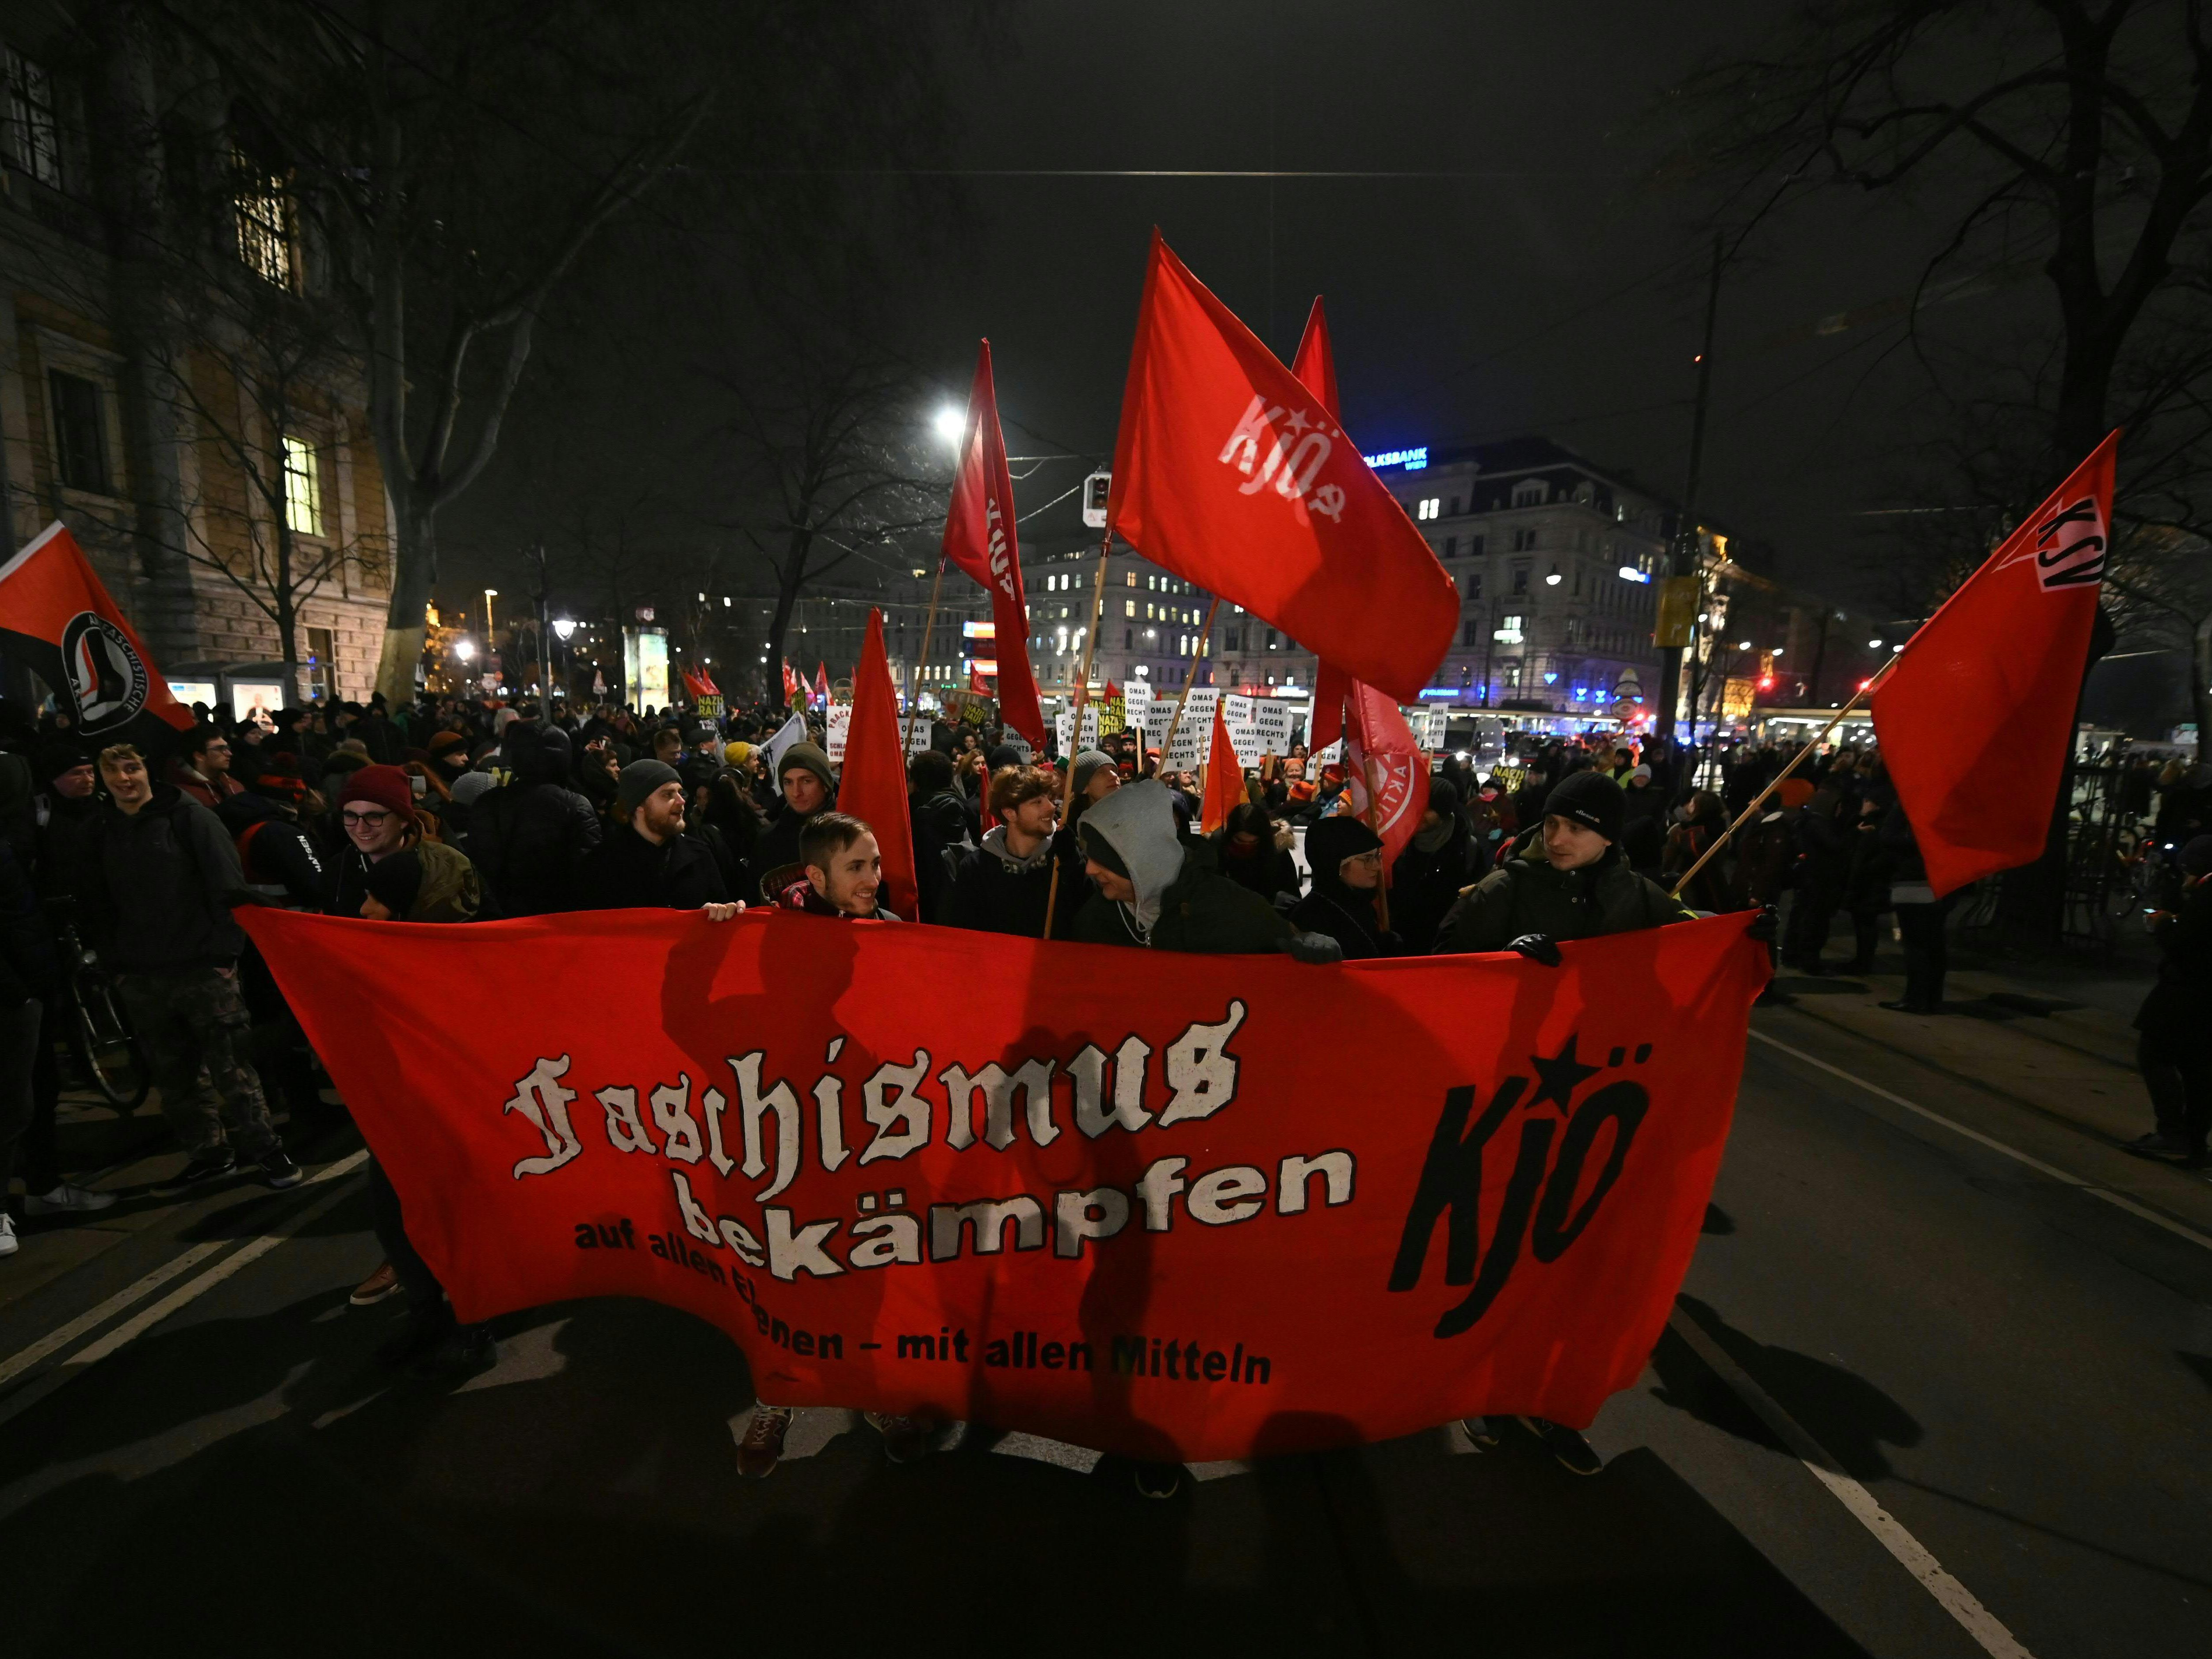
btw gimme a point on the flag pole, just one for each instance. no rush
(1075, 724)
(1795, 761)
(929, 623)
(1189, 679)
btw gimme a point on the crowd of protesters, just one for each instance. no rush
(449, 810)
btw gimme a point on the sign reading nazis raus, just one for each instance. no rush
(1219, 1205)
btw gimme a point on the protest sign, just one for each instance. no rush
(915, 1170)
(838, 723)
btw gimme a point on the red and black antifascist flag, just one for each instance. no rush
(58, 618)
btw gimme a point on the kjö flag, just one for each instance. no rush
(58, 618)
(1315, 368)
(1224, 784)
(979, 537)
(1387, 769)
(1231, 473)
(1976, 717)
(871, 785)
(1032, 1185)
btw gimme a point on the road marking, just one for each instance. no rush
(1954, 1597)
(60, 1337)
(2117, 1200)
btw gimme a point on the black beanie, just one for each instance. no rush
(1591, 799)
(1443, 796)
(1334, 839)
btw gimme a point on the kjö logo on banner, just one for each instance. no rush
(1292, 471)
(108, 678)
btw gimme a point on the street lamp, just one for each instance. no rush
(464, 649)
(564, 628)
(492, 638)
(950, 424)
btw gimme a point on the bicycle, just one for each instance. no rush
(100, 1032)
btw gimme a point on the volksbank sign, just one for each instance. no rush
(1411, 460)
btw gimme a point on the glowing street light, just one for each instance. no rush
(565, 626)
(464, 649)
(949, 423)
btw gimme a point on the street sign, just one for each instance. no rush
(1096, 488)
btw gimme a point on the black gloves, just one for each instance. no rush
(1763, 929)
(1310, 948)
(1537, 947)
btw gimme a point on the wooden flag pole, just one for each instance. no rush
(913, 686)
(1795, 761)
(1075, 725)
(1197, 656)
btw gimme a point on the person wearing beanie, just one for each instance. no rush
(1095, 774)
(807, 789)
(1347, 857)
(2171, 1050)
(377, 811)
(529, 837)
(647, 862)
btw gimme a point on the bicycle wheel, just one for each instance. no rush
(111, 1051)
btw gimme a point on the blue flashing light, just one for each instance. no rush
(1414, 460)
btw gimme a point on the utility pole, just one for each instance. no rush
(1684, 561)
(545, 636)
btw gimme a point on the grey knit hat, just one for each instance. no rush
(639, 780)
(1088, 762)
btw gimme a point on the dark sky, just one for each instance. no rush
(1542, 284)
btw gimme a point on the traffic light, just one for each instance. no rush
(1096, 489)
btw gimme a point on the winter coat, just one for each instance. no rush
(2177, 1004)
(1182, 902)
(626, 872)
(996, 892)
(1526, 895)
(281, 860)
(452, 890)
(166, 878)
(27, 965)
(528, 839)
(1425, 882)
(1270, 869)
(1347, 916)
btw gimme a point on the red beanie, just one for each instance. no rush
(385, 786)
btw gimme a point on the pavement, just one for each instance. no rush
(1936, 1384)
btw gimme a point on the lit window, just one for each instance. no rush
(34, 143)
(303, 489)
(263, 218)
(1132, 605)
(1429, 508)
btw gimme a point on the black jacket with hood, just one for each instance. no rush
(528, 839)
(997, 892)
(165, 879)
(1183, 904)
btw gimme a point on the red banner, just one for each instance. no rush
(1163, 1205)
(1976, 718)
(871, 783)
(1233, 475)
(58, 618)
(1387, 769)
(979, 537)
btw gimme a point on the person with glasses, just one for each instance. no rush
(202, 769)
(1347, 857)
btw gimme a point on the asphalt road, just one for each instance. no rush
(1920, 1398)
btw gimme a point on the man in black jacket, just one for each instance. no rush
(809, 789)
(529, 838)
(2171, 1053)
(1003, 885)
(650, 863)
(165, 876)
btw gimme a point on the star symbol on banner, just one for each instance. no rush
(1298, 421)
(1560, 1076)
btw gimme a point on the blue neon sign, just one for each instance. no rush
(1411, 460)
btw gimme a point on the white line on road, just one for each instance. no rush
(1954, 1597)
(2117, 1199)
(60, 1337)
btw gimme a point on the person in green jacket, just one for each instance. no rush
(1564, 880)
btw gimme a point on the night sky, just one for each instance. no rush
(1536, 279)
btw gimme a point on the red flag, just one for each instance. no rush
(794, 690)
(62, 623)
(977, 684)
(979, 537)
(822, 682)
(1976, 717)
(1389, 771)
(1316, 366)
(1224, 784)
(872, 786)
(1229, 472)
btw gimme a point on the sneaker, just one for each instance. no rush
(1904, 1008)
(1481, 1430)
(2157, 1144)
(1160, 1481)
(65, 1199)
(210, 1165)
(1572, 1451)
(905, 1438)
(9, 1245)
(418, 1335)
(467, 1351)
(278, 1170)
(384, 1282)
(762, 1448)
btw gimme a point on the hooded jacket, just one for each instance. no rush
(1183, 904)
(1346, 914)
(281, 862)
(1526, 895)
(529, 838)
(167, 876)
(995, 891)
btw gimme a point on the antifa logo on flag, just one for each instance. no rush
(2069, 548)
(1541, 1188)
(108, 678)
